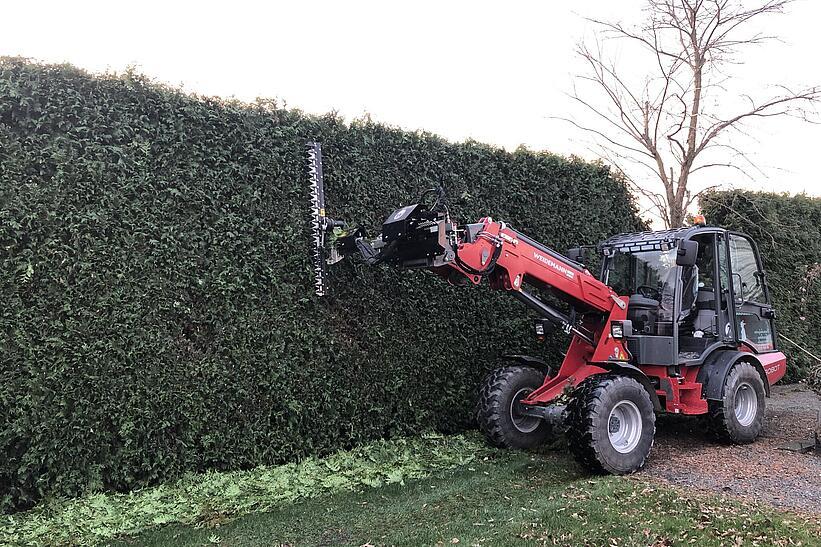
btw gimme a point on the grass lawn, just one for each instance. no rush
(508, 498)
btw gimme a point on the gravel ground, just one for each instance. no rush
(685, 456)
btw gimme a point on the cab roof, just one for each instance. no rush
(658, 240)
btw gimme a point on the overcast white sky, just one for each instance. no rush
(491, 71)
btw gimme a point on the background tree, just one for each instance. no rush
(682, 115)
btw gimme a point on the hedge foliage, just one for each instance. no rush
(158, 313)
(788, 232)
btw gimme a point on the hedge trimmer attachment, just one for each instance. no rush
(420, 235)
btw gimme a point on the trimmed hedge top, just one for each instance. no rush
(158, 313)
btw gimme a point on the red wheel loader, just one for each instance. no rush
(676, 321)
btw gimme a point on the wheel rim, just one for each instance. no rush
(624, 426)
(746, 404)
(525, 424)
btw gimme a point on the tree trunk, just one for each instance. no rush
(677, 215)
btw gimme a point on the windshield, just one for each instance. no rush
(629, 271)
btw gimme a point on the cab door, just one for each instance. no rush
(752, 307)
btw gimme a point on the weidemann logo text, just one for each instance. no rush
(553, 264)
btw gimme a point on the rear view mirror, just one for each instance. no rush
(687, 252)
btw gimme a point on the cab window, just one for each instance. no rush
(752, 312)
(747, 283)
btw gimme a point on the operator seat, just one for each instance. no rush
(704, 318)
(643, 311)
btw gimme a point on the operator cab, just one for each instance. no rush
(691, 291)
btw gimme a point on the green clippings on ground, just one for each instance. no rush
(212, 497)
(457, 491)
(514, 499)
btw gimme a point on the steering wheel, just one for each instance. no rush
(649, 292)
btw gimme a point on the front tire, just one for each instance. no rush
(612, 424)
(739, 416)
(497, 414)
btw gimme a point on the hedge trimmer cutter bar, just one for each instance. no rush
(320, 223)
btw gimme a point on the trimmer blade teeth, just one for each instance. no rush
(317, 215)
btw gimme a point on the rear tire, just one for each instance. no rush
(612, 424)
(496, 411)
(739, 416)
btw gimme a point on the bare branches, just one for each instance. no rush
(786, 104)
(664, 124)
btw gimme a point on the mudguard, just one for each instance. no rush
(533, 362)
(637, 374)
(718, 365)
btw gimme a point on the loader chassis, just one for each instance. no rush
(675, 376)
(677, 321)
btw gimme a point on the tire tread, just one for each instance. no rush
(721, 418)
(490, 410)
(581, 412)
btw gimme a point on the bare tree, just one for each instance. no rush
(675, 122)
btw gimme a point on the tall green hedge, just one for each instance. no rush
(157, 308)
(788, 232)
